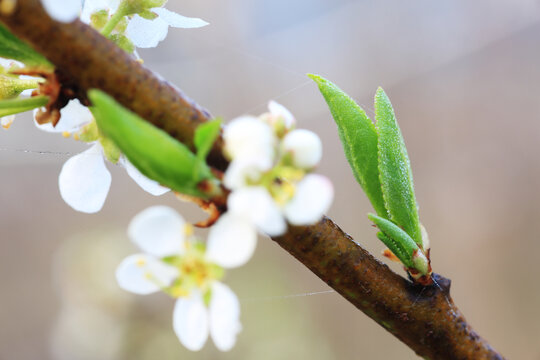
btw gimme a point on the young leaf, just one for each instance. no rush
(397, 240)
(11, 47)
(359, 139)
(395, 170)
(205, 135)
(19, 105)
(151, 150)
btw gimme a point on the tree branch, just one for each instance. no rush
(424, 318)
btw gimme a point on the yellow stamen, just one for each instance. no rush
(140, 262)
(188, 230)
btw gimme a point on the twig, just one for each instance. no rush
(424, 318)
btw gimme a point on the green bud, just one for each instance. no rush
(148, 15)
(12, 86)
(99, 19)
(421, 263)
(110, 150)
(121, 27)
(123, 42)
(130, 7)
(89, 133)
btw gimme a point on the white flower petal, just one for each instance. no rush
(311, 200)
(256, 205)
(148, 185)
(177, 20)
(62, 10)
(304, 146)
(84, 181)
(279, 110)
(190, 321)
(231, 241)
(142, 274)
(224, 316)
(247, 136)
(73, 117)
(146, 33)
(159, 231)
(243, 171)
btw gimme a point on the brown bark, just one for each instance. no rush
(424, 318)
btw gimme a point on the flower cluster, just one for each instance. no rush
(271, 185)
(175, 262)
(84, 181)
(270, 173)
(129, 23)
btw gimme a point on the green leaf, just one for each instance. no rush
(19, 105)
(151, 150)
(205, 136)
(395, 170)
(397, 240)
(11, 47)
(359, 138)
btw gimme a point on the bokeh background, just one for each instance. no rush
(464, 78)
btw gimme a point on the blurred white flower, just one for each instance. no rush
(146, 33)
(62, 10)
(269, 173)
(84, 180)
(143, 32)
(182, 267)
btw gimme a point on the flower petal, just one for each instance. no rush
(159, 231)
(279, 110)
(178, 21)
(247, 136)
(224, 316)
(143, 274)
(255, 204)
(62, 10)
(304, 146)
(146, 33)
(73, 117)
(190, 321)
(84, 181)
(311, 200)
(148, 185)
(231, 241)
(243, 171)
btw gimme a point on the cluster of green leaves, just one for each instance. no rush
(155, 153)
(377, 155)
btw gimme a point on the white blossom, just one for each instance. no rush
(84, 180)
(269, 174)
(204, 305)
(248, 137)
(146, 33)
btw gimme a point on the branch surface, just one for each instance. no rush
(424, 318)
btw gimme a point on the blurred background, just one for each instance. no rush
(464, 79)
